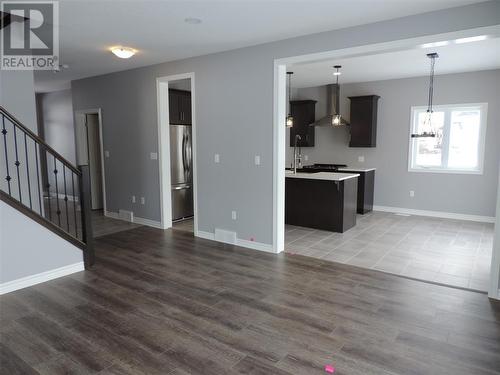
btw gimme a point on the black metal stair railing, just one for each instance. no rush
(41, 183)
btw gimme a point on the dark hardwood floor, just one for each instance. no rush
(166, 303)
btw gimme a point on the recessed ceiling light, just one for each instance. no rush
(192, 20)
(471, 39)
(435, 44)
(123, 52)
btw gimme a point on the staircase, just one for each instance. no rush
(41, 184)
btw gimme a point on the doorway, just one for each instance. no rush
(89, 151)
(177, 152)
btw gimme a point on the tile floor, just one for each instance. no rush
(445, 251)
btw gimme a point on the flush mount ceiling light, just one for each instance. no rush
(428, 131)
(123, 52)
(192, 20)
(289, 118)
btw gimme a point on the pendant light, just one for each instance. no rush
(428, 130)
(336, 118)
(289, 117)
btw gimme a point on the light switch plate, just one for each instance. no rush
(257, 159)
(306, 157)
(143, 200)
(234, 215)
(153, 156)
(106, 153)
(217, 158)
(412, 193)
(133, 198)
(361, 159)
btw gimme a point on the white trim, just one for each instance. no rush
(101, 145)
(136, 220)
(164, 148)
(42, 277)
(205, 235)
(440, 214)
(447, 108)
(268, 248)
(495, 252)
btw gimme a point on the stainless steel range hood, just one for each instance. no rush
(332, 107)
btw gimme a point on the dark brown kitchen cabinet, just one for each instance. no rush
(303, 112)
(179, 102)
(364, 121)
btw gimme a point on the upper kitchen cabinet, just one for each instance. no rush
(179, 107)
(364, 121)
(303, 112)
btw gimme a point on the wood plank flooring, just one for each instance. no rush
(163, 302)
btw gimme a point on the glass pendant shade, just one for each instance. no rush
(336, 120)
(289, 121)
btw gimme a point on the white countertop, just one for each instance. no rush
(357, 169)
(330, 176)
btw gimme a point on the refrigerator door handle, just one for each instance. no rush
(184, 152)
(181, 187)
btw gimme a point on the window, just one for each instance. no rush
(459, 143)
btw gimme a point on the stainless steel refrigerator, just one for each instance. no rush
(181, 171)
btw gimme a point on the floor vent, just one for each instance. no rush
(225, 236)
(126, 215)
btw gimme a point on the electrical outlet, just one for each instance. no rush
(412, 193)
(257, 159)
(143, 200)
(217, 158)
(153, 155)
(306, 157)
(106, 153)
(361, 159)
(233, 215)
(133, 198)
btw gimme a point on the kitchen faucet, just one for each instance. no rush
(296, 157)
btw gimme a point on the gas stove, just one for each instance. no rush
(324, 167)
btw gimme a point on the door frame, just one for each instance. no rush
(279, 133)
(164, 148)
(98, 112)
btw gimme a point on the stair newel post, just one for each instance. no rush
(87, 236)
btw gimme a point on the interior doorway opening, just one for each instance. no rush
(177, 149)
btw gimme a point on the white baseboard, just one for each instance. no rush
(240, 242)
(205, 235)
(440, 214)
(42, 277)
(136, 220)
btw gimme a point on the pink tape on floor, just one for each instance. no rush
(330, 369)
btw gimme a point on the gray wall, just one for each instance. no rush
(234, 97)
(433, 191)
(56, 114)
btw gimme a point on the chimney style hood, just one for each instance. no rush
(332, 107)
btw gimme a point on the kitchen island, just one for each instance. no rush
(322, 200)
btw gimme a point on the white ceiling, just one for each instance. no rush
(453, 58)
(157, 28)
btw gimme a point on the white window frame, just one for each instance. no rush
(447, 108)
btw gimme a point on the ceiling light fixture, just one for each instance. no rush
(192, 20)
(123, 52)
(428, 131)
(471, 39)
(435, 44)
(289, 118)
